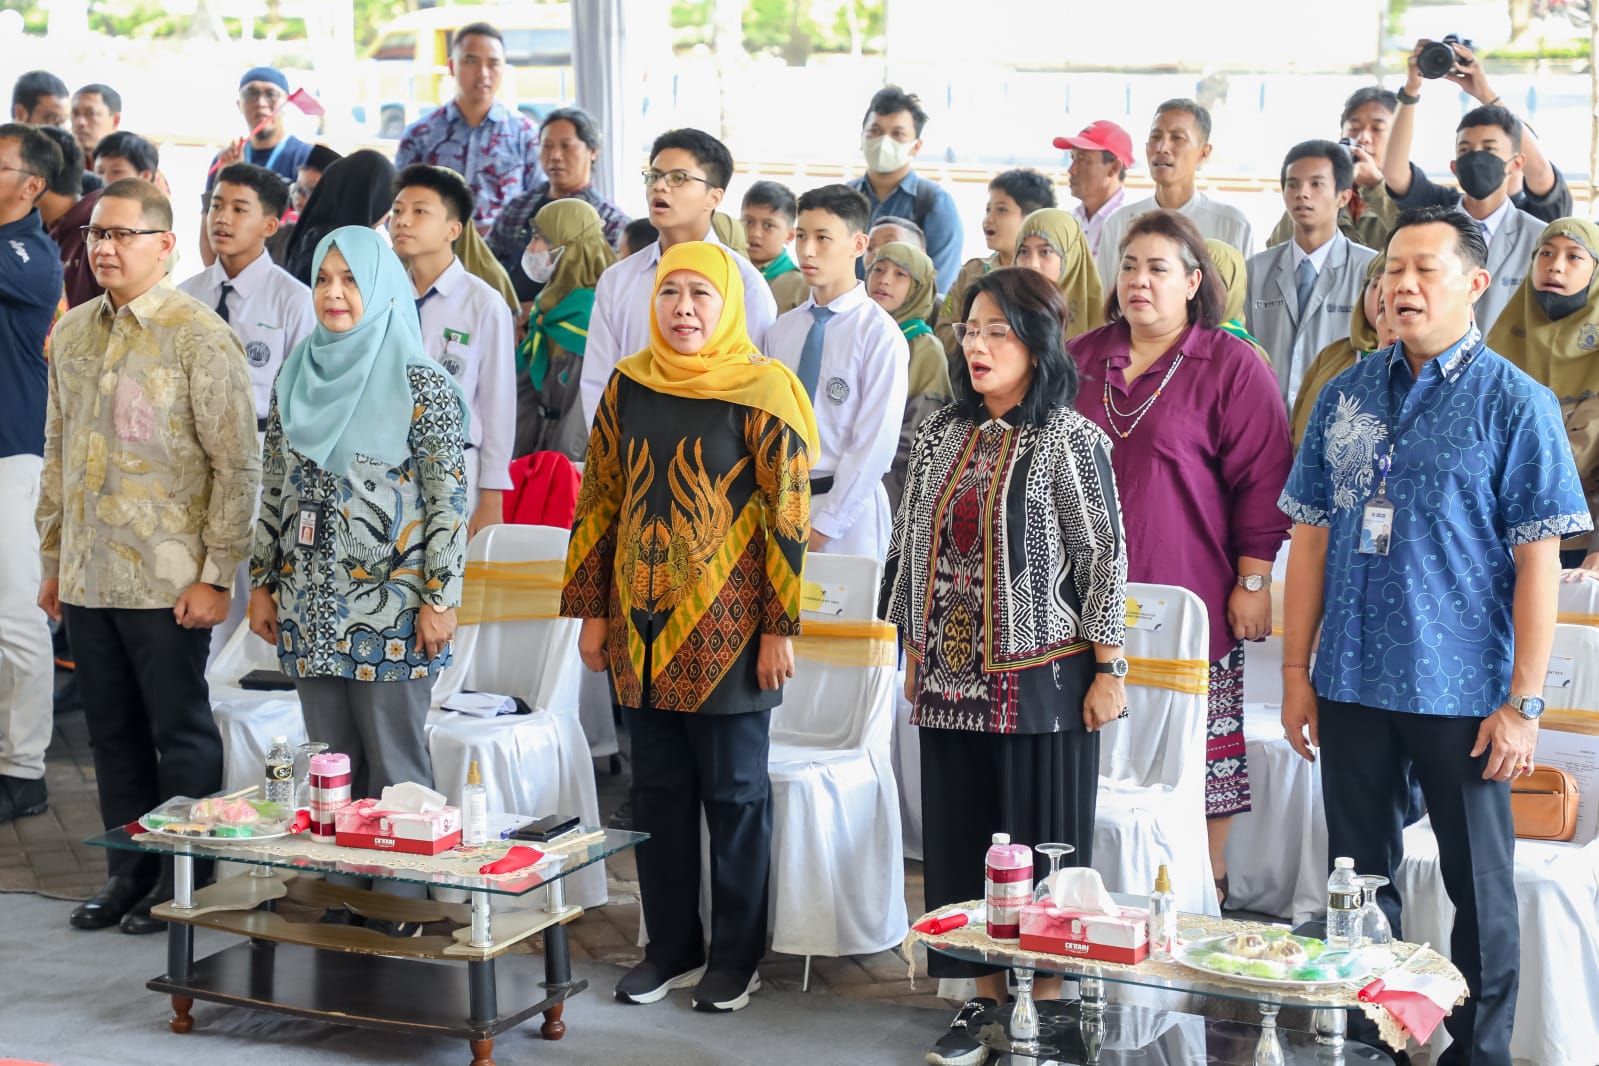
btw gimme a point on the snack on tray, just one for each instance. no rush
(185, 829)
(1288, 951)
(1246, 945)
(217, 811)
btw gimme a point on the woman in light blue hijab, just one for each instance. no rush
(360, 548)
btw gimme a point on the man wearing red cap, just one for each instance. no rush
(1101, 154)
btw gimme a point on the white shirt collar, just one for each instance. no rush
(851, 298)
(448, 281)
(1318, 258)
(1106, 209)
(654, 252)
(1492, 223)
(248, 278)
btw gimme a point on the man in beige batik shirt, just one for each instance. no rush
(151, 471)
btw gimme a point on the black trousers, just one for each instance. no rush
(681, 764)
(1041, 788)
(1366, 793)
(142, 679)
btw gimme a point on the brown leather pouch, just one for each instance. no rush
(1543, 804)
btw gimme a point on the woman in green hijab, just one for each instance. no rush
(1367, 334)
(568, 253)
(1051, 242)
(1550, 329)
(903, 282)
(360, 547)
(1234, 274)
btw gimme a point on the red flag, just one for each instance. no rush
(306, 102)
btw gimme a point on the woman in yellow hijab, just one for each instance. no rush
(903, 282)
(685, 562)
(1052, 243)
(569, 250)
(1550, 329)
(1234, 274)
(1367, 334)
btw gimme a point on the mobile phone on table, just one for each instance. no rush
(546, 829)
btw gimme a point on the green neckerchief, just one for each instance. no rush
(914, 327)
(778, 267)
(1236, 328)
(565, 324)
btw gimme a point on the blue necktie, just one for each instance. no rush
(1304, 282)
(424, 298)
(222, 301)
(810, 364)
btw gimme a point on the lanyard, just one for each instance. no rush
(277, 150)
(1466, 349)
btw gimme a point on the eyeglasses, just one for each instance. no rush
(675, 179)
(251, 96)
(122, 236)
(22, 170)
(994, 333)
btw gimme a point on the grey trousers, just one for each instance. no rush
(379, 725)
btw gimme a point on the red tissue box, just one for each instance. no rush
(363, 825)
(1086, 935)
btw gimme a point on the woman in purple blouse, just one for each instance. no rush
(1201, 453)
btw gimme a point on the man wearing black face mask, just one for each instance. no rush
(1490, 161)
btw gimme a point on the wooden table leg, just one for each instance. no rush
(182, 1022)
(483, 1052)
(553, 1028)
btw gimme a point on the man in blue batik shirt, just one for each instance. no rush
(1432, 654)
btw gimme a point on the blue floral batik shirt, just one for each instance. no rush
(392, 540)
(1480, 466)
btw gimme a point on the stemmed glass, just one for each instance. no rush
(302, 771)
(1054, 852)
(1372, 929)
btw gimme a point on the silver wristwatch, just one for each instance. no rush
(1254, 582)
(1529, 707)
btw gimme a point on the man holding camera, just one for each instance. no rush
(1506, 182)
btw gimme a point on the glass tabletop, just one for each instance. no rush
(1151, 973)
(449, 869)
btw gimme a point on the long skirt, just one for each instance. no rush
(1226, 771)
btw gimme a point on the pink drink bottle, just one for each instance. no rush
(1009, 870)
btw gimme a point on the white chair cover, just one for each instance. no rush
(535, 764)
(595, 714)
(838, 872)
(1263, 662)
(248, 720)
(1277, 852)
(1579, 597)
(907, 750)
(1152, 767)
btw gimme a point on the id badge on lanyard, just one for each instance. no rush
(1377, 517)
(308, 525)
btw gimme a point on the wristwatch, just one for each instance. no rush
(1254, 582)
(1529, 707)
(438, 608)
(1116, 667)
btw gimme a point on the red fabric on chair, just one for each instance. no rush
(543, 490)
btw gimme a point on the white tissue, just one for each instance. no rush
(410, 797)
(1080, 888)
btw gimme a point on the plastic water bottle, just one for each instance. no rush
(474, 809)
(1162, 917)
(280, 773)
(1009, 872)
(1343, 903)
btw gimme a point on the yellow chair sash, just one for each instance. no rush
(847, 643)
(509, 592)
(1568, 720)
(1578, 619)
(1179, 675)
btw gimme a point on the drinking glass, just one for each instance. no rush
(1371, 924)
(302, 771)
(1054, 852)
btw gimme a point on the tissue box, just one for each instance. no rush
(413, 832)
(1085, 934)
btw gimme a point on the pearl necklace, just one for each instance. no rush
(1138, 413)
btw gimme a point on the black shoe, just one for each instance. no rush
(959, 1047)
(138, 922)
(648, 982)
(623, 818)
(106, 908)
(21, 797)
(724, 989)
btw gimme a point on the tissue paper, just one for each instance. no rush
(1081, 919)
(409, 817)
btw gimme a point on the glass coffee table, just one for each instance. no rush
(1089, 1029)
(350, 975)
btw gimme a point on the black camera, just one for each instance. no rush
(1438, 58)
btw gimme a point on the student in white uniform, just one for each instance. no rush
(853, 360)
(1489, 163)
(1302, 291)
(266, 305)
(685, 181)
(466, 326)
(1179, 141)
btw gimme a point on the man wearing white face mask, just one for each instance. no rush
(891, 136)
